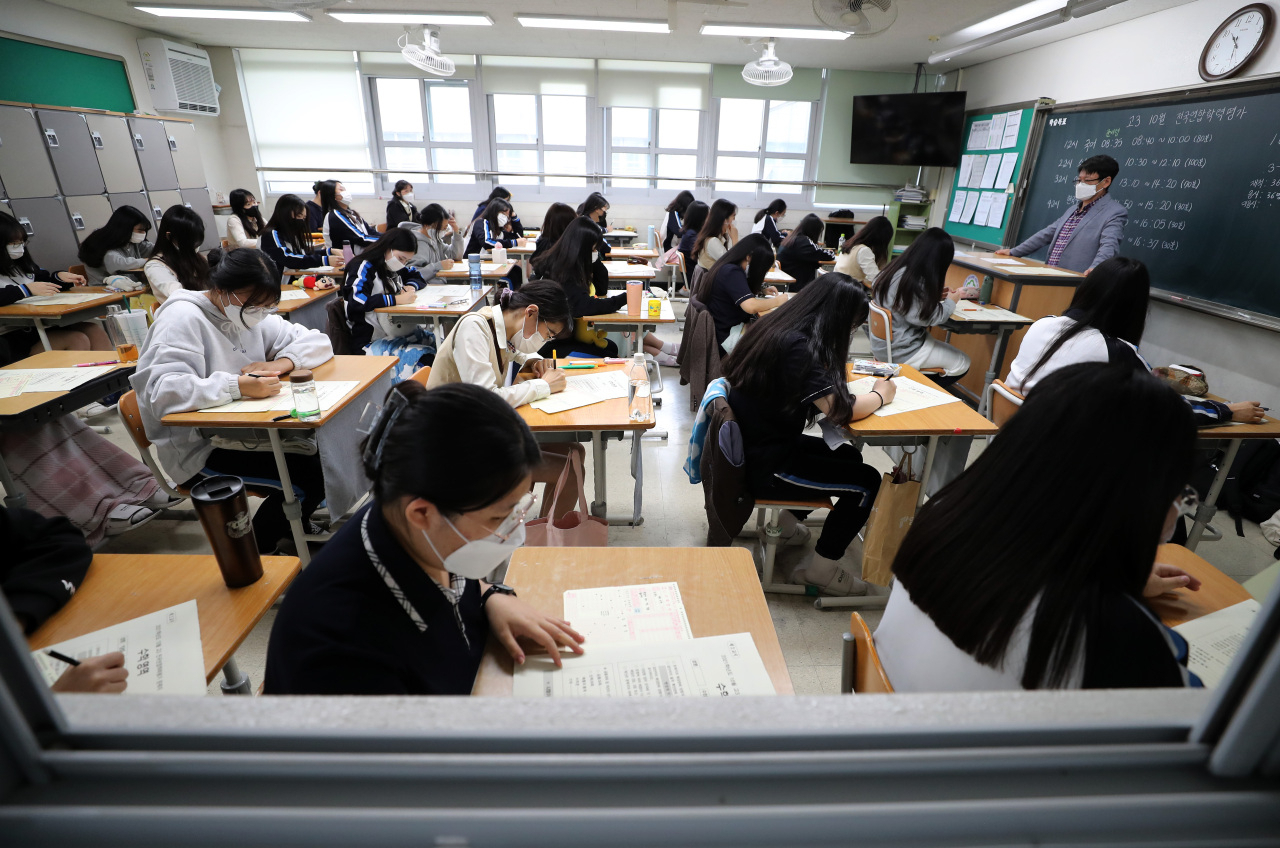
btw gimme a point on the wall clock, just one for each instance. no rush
(1234, 44)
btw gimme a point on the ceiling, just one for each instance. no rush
(897, 49)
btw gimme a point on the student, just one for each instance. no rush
(316, 209)
(781, 375)
(21, 277)
(495, 228)
(673, 223)
(439, 244)
(499, 193)
(1054, 598)
(734, 290)
(596, 209)
(554, 223)
(867, 252)
(245, 226)
(381, 276)
(118, 247)
(800, 255)
(694, 218)
(717, 235)
(343, 226)
(175, 262)
(287, 240)
(912, 290)
(767, 220)
(396, 603)
(208, 348)
(400, 208)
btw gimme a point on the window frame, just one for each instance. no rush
(540, 189)
(762, 193)
(653, 151)
(385, 182)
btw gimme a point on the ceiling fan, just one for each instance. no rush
(859, 18)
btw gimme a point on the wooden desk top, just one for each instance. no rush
(951, 419)
(620, 317)
(979, 318)
(460, 271)
(719, 587)
(627, 234)
(606, 415)
(321, 271)
(52, 359)
(454, 311)
(980, 261)
(632, 253)
(54, 310)
(777, 276)
(287, 306)
(1267, 428)
(365, 369)
(120, 587)
(1217, 590)
(628, 271)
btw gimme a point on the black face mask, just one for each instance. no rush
(604, 222)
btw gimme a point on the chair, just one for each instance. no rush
(861, 671)
(880, 324)
(767, 514)
(421, 375)
(1001, 402)
(77, 269)
(382, 228)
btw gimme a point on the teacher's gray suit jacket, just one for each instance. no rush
(1097, 237)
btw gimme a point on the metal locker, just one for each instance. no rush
(88, 213)
(113, 143)
(50, 240)
(5, 208)
(186, 154)
(66, 135)
(198, 199)
(151, 146)
(162, 200)
(137, 199)
(23, 160)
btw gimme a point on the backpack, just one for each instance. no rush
(1252, 488)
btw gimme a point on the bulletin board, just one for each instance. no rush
(983, 186)
(50, 76)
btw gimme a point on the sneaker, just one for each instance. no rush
(841, 583)
(798, 539)
(96, 409)
(161, 500)
(126, 517)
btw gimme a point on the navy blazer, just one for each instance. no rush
(1096, 238)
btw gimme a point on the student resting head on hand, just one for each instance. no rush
(117, 247)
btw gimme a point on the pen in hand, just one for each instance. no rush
(61, 657)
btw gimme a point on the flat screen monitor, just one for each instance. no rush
(908, 129)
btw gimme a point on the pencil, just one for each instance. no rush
(90, 364)
(554, 356)
(62, 657)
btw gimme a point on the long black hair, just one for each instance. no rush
(595, 202)
(242, 268)
(681, 203)
(327, 189)
(178, 240)
(568, 262)
(775, 206)
(498, 193)
(755, 247)
(825, 312)
(976, 585)
(400, 186)
(721, 211)
(876, 234)
(555, 222)
(547, 295)
(1111, 300)
(251, 218)
(396, 238)
(294, 231)
(924, 269)
(432, 215)
(11, 231)
(115, 233)
(695, 216)
(810, 227)
(491, 211)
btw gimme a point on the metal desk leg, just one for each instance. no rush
(435, 330)
(44, 337)
(928, 468)
(627, 345)
(13, 496)
(1209, 506)
(600, 504)
(997, 353)
(292, 509)
(233, 681)
(635, 519)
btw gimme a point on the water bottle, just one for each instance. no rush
(984, 293)
(840, 244)
(306, 403)
(477, 282)
(652, 244)
(638, 377)
(223, 509)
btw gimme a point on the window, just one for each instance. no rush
(653, 142)
(762, 140)
(423, 125)
(540, 134)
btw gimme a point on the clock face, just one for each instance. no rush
(1235, 43)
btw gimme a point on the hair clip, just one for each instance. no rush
(376, 422)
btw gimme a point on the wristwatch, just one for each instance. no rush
(500, 588)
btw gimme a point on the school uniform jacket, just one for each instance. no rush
(484, 237)
(287, 255)
(672, 225)
(398, 214)
(516, 226)
(366, 289)
(768, 228)
(802, 259)
(1096, 238)
(345, 228)
(16, 286)
(315, 216)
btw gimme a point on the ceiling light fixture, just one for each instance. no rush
(597, 24)
(228, 14)
(1073, 9)
(411, 18)
(772, 32)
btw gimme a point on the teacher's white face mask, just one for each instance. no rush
(1084, 191)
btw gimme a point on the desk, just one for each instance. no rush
(777, 277)
(719, 587)
(366, 370)
(120, 587)
(593, 422)
(488, 270)
(975, 323)
(621, 322)
(310, 313)
(60, 314)
(450, 312)
(628, 271)
(31, 409)
(620, 236)
(1217, 590)
(1232, 435)
(319, 271)
(632, 253)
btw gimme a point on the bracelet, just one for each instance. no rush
(877, 394)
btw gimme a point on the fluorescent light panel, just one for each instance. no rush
(772, 32)
(599, 24)
(1004, 20)
(441, 18)
(228, 14)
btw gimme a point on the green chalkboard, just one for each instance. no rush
(979, 154)
(1200, 175)
(49, 76)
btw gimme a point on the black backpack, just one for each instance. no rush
(1252, 488)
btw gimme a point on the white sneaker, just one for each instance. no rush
(798, 539)
(95, 409)
(841, 582)
(161, 500)
(126, 517)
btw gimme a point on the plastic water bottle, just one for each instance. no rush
(638, 377)
(840, 246)
(652, 243)
(477, 282)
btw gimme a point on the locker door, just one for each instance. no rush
(88, 213)
(113, 143)
(66, 135)
(151, 145)
(198, 199)
(186, 154)
(23, 161)
(5, 207)
(137, 199)
(162, 200)
(51, 240)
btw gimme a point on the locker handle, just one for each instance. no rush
(26, 226)
(77, 221)
(173, 143)
(138, 142)
(97, 140)
(51, 137)
(158, 212)
(188, 205)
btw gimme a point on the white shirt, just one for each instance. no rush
(859, 263)
(161, 278)
(471, 349)
(236, 234)
(1086, 346)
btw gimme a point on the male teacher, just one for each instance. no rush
(1092, 231)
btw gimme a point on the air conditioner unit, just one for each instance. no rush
(180, 77)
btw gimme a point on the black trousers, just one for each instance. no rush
(258, 469)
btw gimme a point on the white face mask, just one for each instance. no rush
(529, 344)
(478, 557)
(16, 250)
(394, 263)
(137, 238)
(1084, 191)
(250, 317)
(503, 220)
(344, 196)
(407, 197)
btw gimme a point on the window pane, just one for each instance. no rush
(678, 129)
(450, 112)
(788, 127)
(783, 169)
(565, 162)
(677, 165)
(405, 157)
(515, 119)
(740, 124)
(741, 167)
(453, 159)
(518, 160)
(630, 127)
(564, 120)
(399, 109)
(630, 163)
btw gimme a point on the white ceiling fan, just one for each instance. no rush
(768, 69)
(425, 55)
(859, 18)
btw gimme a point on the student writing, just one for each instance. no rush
(287, 240)
(118, 247)
(800, 255)
(379, 277)
(400, 208)
(499, 193)
(343, 225)
(245, 226)
(439, 244)
(673, 220)
(496, 228)
(175, 262)
(767, 220)
(864, 255)
(734, 291)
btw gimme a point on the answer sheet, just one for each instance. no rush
(1214, 639)
(329, 392)
(12, 385)
(967, 310)
(293, 294)
(61, 299)
(584, 390)
(648, 612)
(910, 396)
(57, 379)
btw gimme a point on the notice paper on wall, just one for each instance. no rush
(329, 393)
(966, 170)
(957, 205)
(984, 206)
(1215, 638)
(585, 390)
(975, 174)
(970, 206)
(992, 169)
(999, 203)
(710, 667)
(995, 136)
(647, 612)
(978, 133)
(1013, 123)
(1008, 162)
(162, 652)
(909, 397)
(57, 379)
(62, 299)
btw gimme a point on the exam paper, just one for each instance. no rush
(967, 310)
(710, 667)
(162, 652)
(293, 294)
(12, 385)
(984, 206)
(1012, 124)
(990, 172)
(995, 136)
(910, 396)
(1008, 162)
(57, 299)
(648, 612)
(966, 170)
(584, 390)
(439, 292)
(999, 203)
(56, 379)
(1214, 639)
(970, 206)
(1042, 271)
(1000, 260)
(957, 205)
(978, 132)
(975, 175)
(329, 392)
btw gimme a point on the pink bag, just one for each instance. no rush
(577, 529)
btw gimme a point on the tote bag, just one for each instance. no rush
(575, 529)
(891, 517)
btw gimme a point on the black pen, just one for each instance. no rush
(282, 417)
(62, 657)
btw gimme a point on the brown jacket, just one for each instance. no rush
(724, 477)
(699, 356)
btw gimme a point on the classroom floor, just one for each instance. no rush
(674, 517)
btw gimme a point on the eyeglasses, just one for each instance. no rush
(1188, 502)
(1088, 180)
(515, 518)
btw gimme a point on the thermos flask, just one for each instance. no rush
(223, 509)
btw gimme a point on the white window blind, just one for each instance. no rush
(538, 75)
(654, 85)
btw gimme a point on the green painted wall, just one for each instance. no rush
(833, 147)
(33, 73)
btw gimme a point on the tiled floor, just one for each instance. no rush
(673, 516)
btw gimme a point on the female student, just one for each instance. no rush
(208, 348)
(381, 276)
(396, 603)
(439, 245)
(767, 220)
(287, 240)
(400, 208)
(499, 193)
(717, 235)
(673, 223)
(343, 226)
(316, 210)
(495, 228)
(734, 290)
(118, 247)
(912, 290)
(245, 226)
(596, 209)
(694, 217)
(800, 255)
(1054, 600)
(175, 262)
(554, 223)
(864, 255)
(21, 277)
(781, 375)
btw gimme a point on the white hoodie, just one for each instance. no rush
(191, 359)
